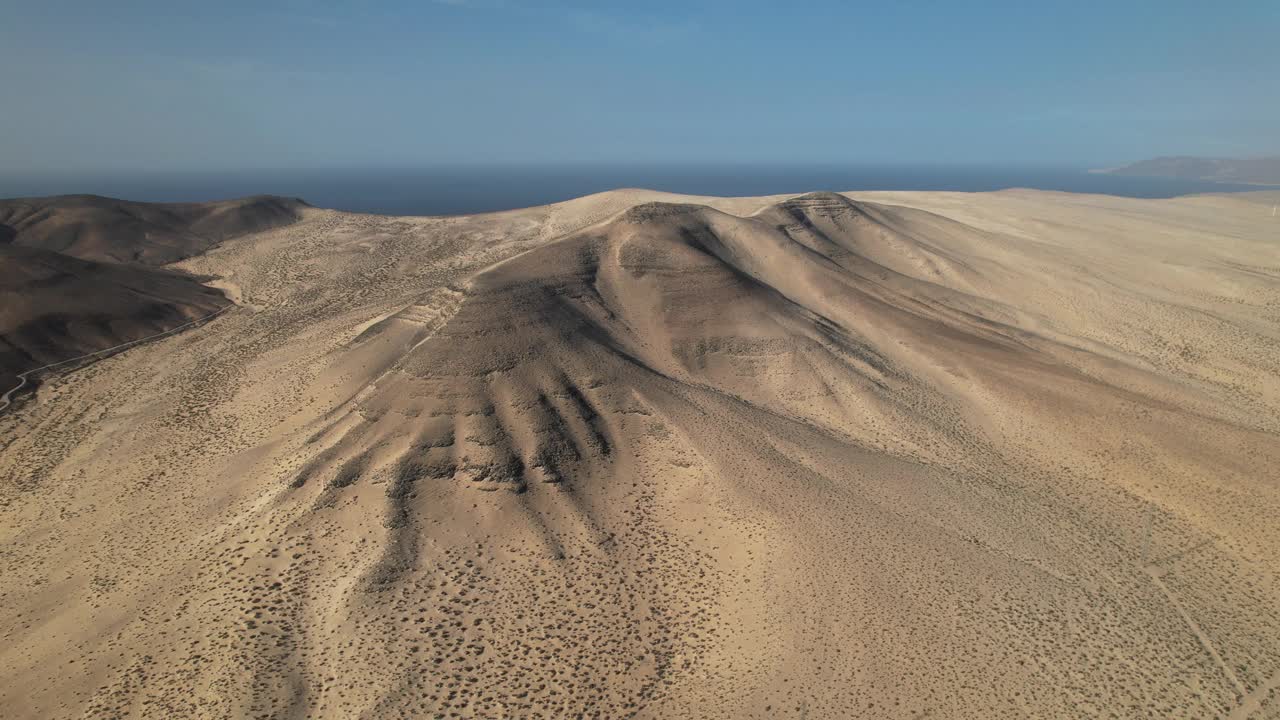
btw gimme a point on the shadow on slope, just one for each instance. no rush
(78, 273)
(92, 227)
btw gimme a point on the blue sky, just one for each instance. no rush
(150, 85)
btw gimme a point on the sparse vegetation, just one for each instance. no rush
(907, 455)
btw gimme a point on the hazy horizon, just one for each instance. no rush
(465, 189)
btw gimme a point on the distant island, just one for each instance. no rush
(1249, 171)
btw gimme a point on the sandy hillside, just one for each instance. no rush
(880, 455)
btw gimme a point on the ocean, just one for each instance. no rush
(473, 189)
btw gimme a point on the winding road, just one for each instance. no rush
(6, 399)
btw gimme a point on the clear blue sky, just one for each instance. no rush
(171, 84)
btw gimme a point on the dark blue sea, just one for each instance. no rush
(472, 189)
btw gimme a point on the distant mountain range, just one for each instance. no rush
(1250, 171)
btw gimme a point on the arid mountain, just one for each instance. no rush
(54, 307)
(78, 273)
(91, 227)
(1249, 171)
(642, 455)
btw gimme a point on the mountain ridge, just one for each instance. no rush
(95, 227)
(1248, 171)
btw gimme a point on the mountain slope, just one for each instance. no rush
(104, 229)
(54, 307)
(990, 455)
(76, 271)
(787, 383)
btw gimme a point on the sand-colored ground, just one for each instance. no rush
(639, 455)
